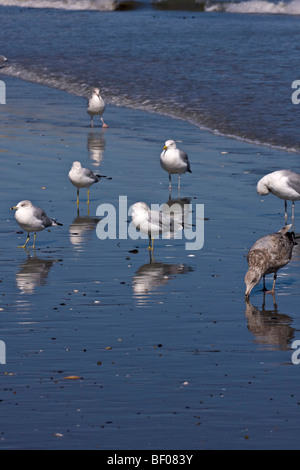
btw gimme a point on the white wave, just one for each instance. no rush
(100, 5)
(72, 86)
(257, 7)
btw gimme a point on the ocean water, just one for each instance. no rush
(224, 66)
(163, 351)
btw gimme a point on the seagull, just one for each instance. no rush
(32, 219)
(151, 222)
(96, 106)
(284, 184)
(174, 161)
(268, 255)
(82, 178)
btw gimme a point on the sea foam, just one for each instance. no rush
(100, 5)
(257, 7)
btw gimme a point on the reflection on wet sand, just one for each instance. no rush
(33, 273)
(181, 207)
(96, 147)
(81, 229)
(269, 326)
(150, 276)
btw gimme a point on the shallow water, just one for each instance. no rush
(228, 72)
(165, 352)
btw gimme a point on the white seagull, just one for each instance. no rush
(96, 106)
(152, 223)
(284, 184)
(82, 178)
(32, 219)
(268, 255)
(174, 161)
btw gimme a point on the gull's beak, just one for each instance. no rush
(165, 147)
(14, 208)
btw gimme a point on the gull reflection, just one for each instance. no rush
(96, 146)
(180, 209)
(33, 273)
(153, 275)
(269, 326)
(81, 229)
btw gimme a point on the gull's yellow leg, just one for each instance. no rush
(77, 195)
(24, 246)
(150, 247)
(33, 246)
(88, 196)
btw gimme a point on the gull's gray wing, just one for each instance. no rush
(164, 222)
(294, 181)
(90, 174)
(184, 157)
(42, 216)
(161, 220)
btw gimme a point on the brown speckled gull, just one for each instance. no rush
(268, 255)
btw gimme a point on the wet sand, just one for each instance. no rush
(107, 348)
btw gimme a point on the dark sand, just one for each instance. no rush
(167, 354)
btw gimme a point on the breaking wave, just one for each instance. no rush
(247, 6)
(99, 5)
(81, 89)
(256, 7)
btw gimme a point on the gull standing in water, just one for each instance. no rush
(174, 161)
(96, 106)
(32, 219)
(82, 178)
(284, 184)
(152, 222)
(268, 255)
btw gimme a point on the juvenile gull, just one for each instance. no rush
(32, 219)
(174, 161)
(284, 184)
(96, 106)
(152, 222)
(268, 255)
(82, 178)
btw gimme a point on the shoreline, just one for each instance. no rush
(153, 344)
(212, 156)
(84, 93)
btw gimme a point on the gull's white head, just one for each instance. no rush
(262, 187)
(170, 144)
(76, 166)
(139, 207)
(96, 91)
(22, 205)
